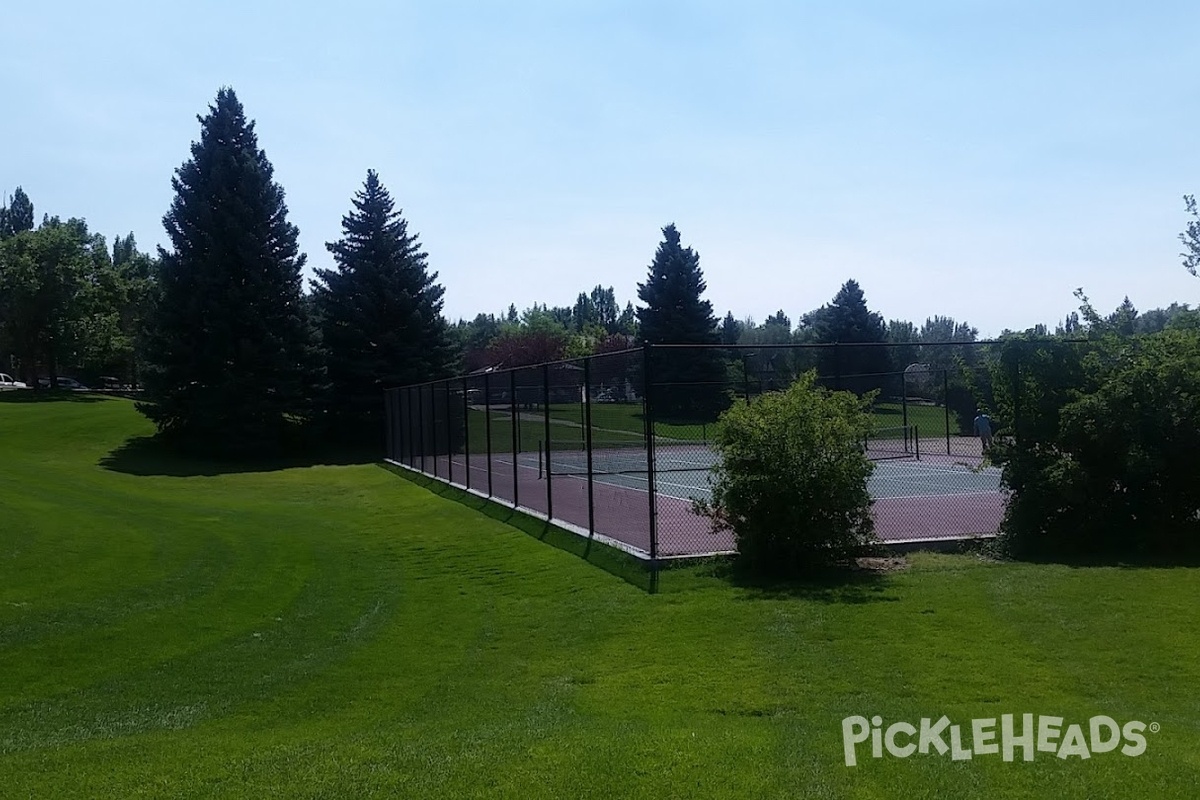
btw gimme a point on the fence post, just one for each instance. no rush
(487, 425)
(648, 416)
(421, 422)
(467, 430)
(409, 454)
(546, 419)
(516, 445)
(388, 425)
(449, 434)
(433, 426)
(587, 441)
(946, 405)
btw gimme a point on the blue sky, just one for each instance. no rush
(970, 158)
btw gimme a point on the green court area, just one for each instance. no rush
(628, 417)
(181, 629)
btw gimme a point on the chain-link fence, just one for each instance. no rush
(619, 446)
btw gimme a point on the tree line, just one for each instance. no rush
(230, 347)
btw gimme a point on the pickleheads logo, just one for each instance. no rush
(1046, 735)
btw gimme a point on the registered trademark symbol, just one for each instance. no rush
(1154, 727)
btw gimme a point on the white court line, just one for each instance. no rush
(931, 477)
(616, 481)
(951, 494)
(929, 469)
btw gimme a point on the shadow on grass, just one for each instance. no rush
(851, 584)
(1183, 560)
(150, 456)
(628, 568)
(50, 396)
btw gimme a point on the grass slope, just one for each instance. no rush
(335, 631)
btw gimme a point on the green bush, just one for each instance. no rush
(1105, 461)
(792, 479)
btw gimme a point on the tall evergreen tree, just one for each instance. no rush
(17, 215)
(731, 329)
(230, 355)
(604, 301)
(846, 322)
(674, 311)
(380, 310)
(686, 385)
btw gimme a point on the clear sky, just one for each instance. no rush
(970, 158)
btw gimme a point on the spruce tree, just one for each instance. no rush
(848, 321)
(229, 352)
(380, 311)
(687, 385)
(17, 215)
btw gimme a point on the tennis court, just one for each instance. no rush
(574, 443)
(935, 497)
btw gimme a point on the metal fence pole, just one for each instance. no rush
(946, 405)
(467, 430)
(648, 415)
(587, 441)
(449, 434)
(487, 425)
(433, 426)
(387, 423)
(421, 421)
(546, 419)
(516, 445)
(410, 448)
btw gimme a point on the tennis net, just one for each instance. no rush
(899, 441)
(616, 458)
(570, 457)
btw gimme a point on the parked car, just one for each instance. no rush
(9, 382)
(109, 383)
(64, 383)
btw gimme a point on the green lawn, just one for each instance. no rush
(174, 629)
(930, 420)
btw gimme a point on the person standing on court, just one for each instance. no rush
(983, 429)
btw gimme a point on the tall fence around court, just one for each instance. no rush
(618, 446)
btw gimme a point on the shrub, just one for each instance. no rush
(1105, 458)
(792, 477)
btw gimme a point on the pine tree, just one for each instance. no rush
(17, 215)
(230, 359)
(848, 321)
(380, 310)
(687, 384)
(731, 329)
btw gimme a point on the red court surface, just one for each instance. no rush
(934, 504)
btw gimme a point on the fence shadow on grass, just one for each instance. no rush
(150, 456)
(630, 569)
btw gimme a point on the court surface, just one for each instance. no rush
(938, 497)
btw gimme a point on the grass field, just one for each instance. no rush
(180, 629)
